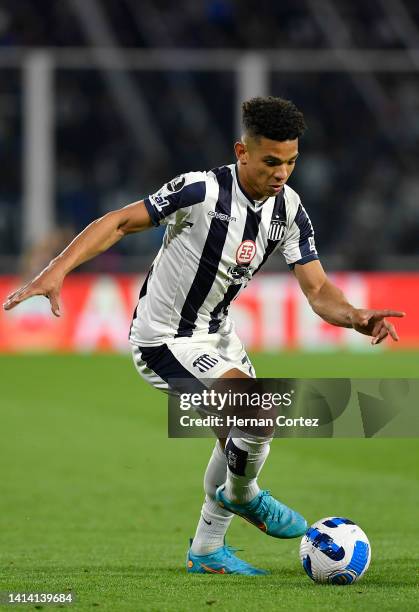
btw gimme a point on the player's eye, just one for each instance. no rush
(270, 162)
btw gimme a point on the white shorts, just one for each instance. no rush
(189, 358)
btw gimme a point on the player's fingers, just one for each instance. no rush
(389, 313)
(377, 328)
(391, 330)
(385, 329)
(380, 337)
(55, 306)
(21, 295)
(9, 303)
(15, 298)
(12, 295)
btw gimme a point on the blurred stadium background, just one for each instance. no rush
(101, 102)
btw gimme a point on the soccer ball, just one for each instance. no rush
(336, 551)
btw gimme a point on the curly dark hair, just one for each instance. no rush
(273, 118)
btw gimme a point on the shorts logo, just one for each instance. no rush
(277, 230)
(246, 252)
(204, 363)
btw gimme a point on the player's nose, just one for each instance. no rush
(281, 173)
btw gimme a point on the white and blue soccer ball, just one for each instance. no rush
(335, 550)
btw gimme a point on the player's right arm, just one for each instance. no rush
(93, 240)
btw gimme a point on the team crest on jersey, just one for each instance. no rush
(276, 230)
(246, 252)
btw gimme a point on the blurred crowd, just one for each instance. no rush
(357, 172)
(204, 23)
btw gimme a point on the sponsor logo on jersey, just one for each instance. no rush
(246, 252)
(221, 216)
(239, 274)
(204, 362)
(277, 230)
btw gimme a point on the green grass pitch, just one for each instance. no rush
(95, 498)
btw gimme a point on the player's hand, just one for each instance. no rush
(48, 283)
(373, 323)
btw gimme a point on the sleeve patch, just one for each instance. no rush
(176, 184)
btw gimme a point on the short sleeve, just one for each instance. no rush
(178, 194)
(299, 246)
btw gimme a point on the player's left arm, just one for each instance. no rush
(330, 304)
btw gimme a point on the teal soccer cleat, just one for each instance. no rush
(267, 514)
(221, 561)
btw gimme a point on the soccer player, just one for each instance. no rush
(221, 227)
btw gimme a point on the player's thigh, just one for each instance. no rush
(232, 350)
(179, 367)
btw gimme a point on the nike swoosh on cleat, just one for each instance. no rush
(260, 526)
(212, 570)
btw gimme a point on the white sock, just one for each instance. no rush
(245, 458)
(214, 520)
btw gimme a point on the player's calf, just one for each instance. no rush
(241, 495)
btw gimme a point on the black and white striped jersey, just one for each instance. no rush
(216, 240)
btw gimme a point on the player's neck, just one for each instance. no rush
(246, 186)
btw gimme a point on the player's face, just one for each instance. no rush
(265, 165)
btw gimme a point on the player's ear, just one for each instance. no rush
(241, 152)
